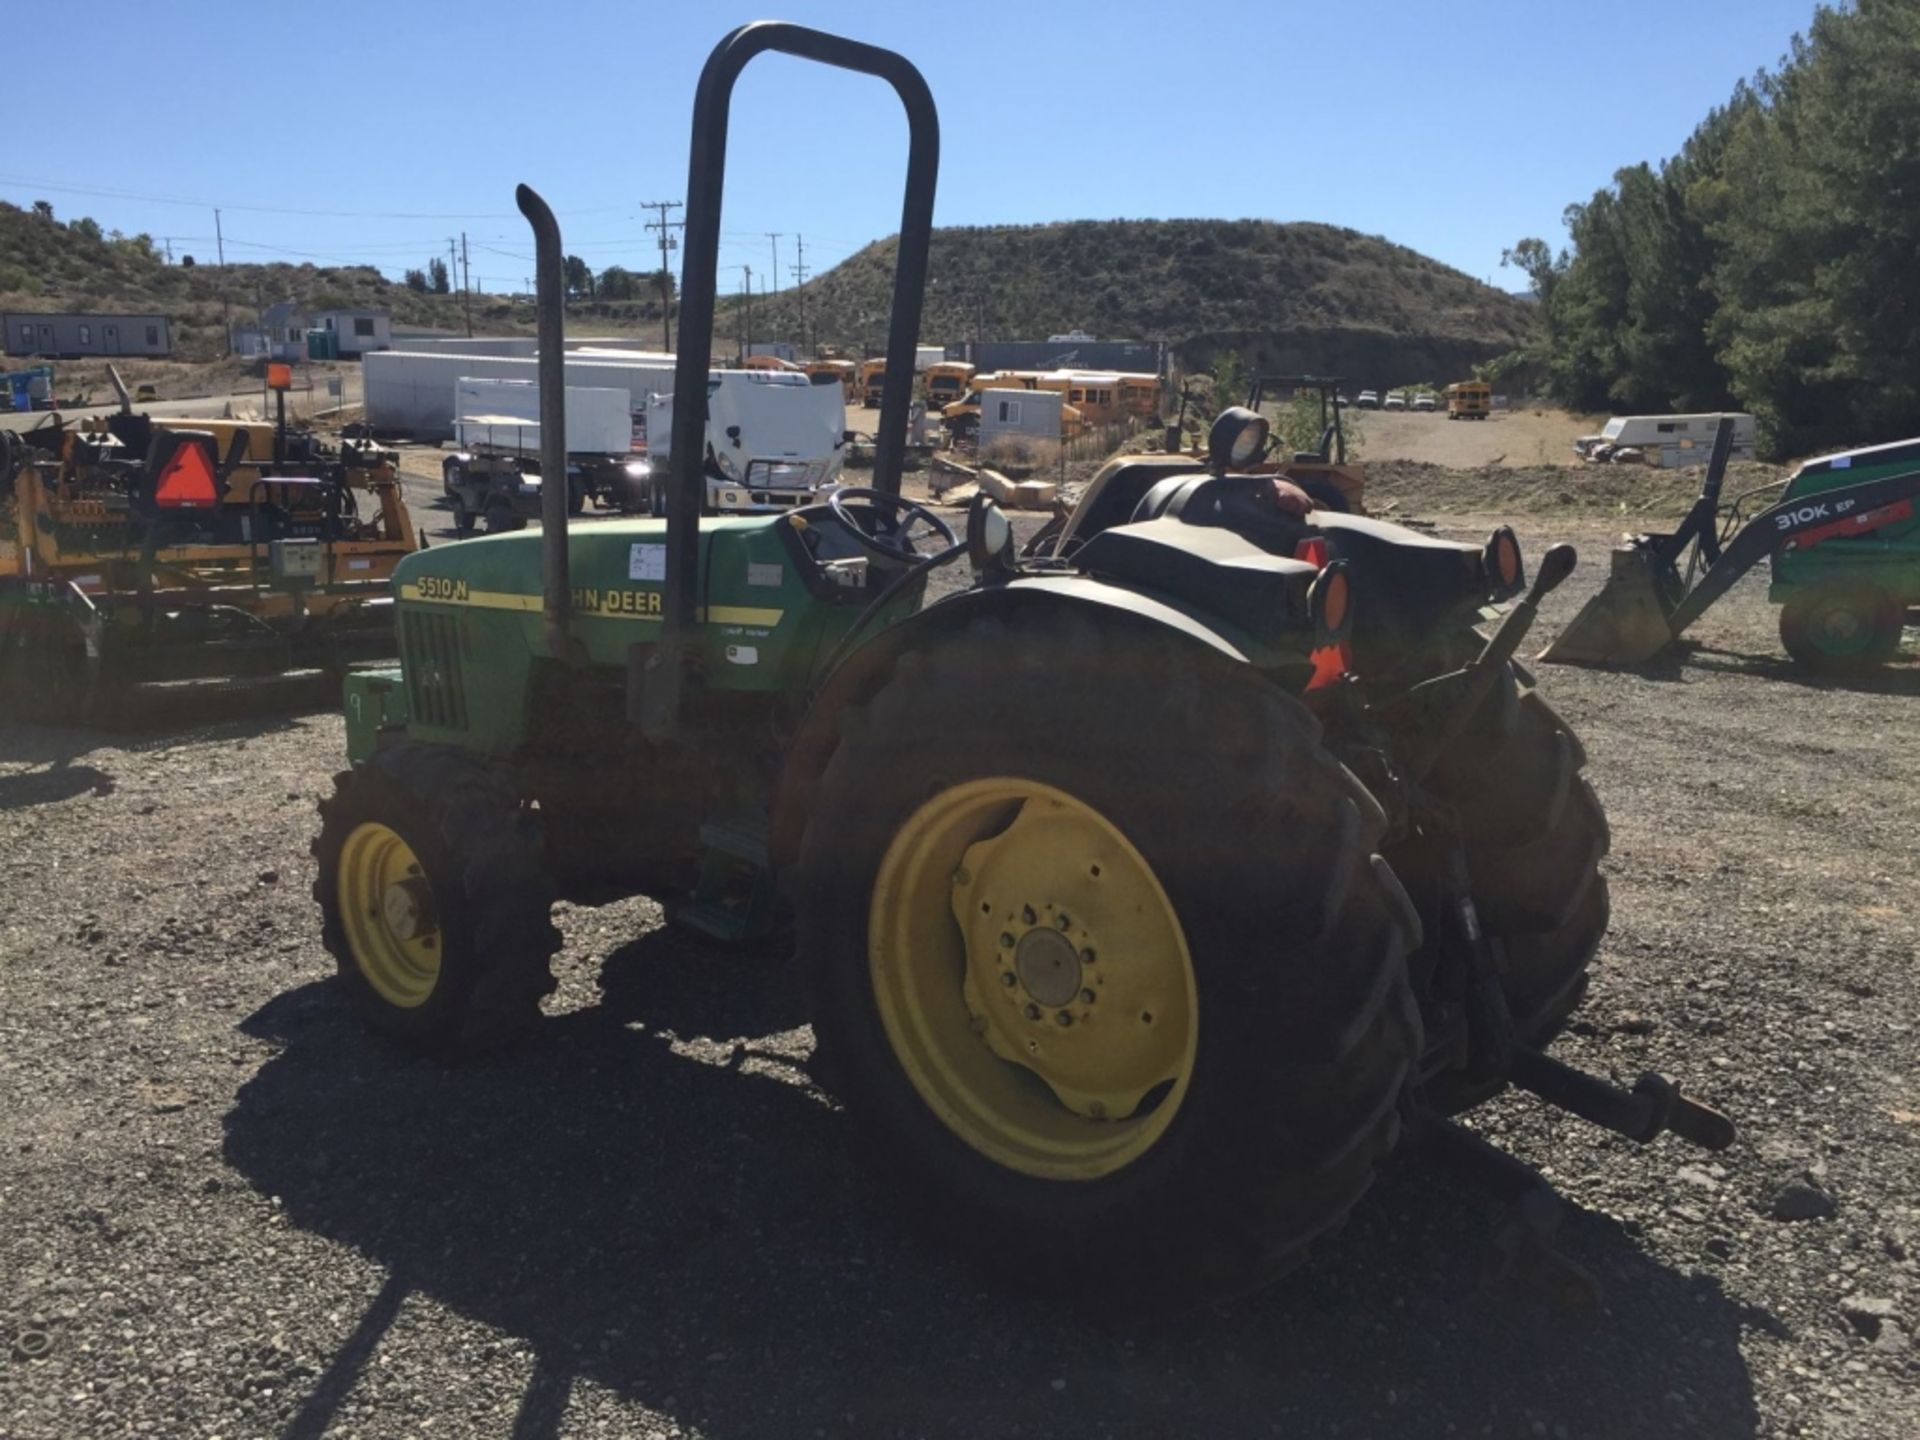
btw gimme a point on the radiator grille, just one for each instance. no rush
(430, 647)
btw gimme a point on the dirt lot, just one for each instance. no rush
(1507, 437)
(229, 1212)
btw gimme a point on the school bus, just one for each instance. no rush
(767, 362)
(1469, 400)
(1096, 395)
(947, 381)
(1140, 395)
(873, 379)
(845, 371)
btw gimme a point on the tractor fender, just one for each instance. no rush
(866, 669)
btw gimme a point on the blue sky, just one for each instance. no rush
(1454, 129)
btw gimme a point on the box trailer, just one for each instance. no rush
(1664, 440)
(494, 476)
(925, 355)
(411, 393)
(773, 438)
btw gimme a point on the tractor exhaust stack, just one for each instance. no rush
(556, 585)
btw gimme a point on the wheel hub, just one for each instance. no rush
(407, 908)
(1048, 967)
(1033, 978)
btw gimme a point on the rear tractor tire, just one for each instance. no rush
(1535, 834)
(1841, 628)
(434, 900)
(1113, 974)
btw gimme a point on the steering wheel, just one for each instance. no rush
(913, 510)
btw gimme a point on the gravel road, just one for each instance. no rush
(226, 1211)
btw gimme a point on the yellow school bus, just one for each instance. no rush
(1469, 400)
(873, 379)
(1140, 395)
(845, 371)
(1096, 395)
(947, 381)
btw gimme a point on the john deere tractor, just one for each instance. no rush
(1143, 894)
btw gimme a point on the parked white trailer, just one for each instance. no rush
(505, 415)
(1666, 440)
(925, 355)
(1016, 415)
(411, 393)
(773, 438)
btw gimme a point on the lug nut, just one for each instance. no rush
(1086, 997)
(1063, 920)
(1062, 1018)
(1026, 914)
(1087, 957)
(1006, 941)
(1032, 1012)
(1009, 979)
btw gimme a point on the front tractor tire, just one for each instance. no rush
(434, 900)
(1101, 952)
(1841, 628)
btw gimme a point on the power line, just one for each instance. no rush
(105, 192)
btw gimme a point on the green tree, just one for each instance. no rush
(87, 228)
(43, 210)
(437, 276)
(617, 283)
(416, 280)
(579, 277)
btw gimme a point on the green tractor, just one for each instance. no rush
(1143, 894)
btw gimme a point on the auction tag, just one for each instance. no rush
(647, 562)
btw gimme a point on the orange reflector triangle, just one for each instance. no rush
(187, 479)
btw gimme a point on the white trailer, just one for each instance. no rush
(925, 355)
(1019, 415)
(505, 415)
(411, 393)
(1665, 440)
(773, 439)
(495, 473)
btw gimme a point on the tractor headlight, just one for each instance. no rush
(1238, 439)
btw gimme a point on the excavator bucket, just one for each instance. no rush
(1625, 624)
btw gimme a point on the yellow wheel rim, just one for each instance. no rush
(1033, 979)
(387, 908)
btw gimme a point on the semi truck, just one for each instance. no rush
(773, 440)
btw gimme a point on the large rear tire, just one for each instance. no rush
(1535, 834)
(1164, 830)
(434, 900)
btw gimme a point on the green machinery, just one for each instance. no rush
(1142, 892)
(1840, 535)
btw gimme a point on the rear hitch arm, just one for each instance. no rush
(1654, 1105)
(1467, 689)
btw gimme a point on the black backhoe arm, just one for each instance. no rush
(1807, 520)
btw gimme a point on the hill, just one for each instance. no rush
(1285, 296)
(46, 264)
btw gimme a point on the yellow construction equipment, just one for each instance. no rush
(148, 562)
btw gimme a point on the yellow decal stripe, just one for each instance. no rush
(531, 604)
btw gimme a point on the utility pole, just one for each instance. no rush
(800, 284)
(220, 244)
(453, 265)
(773, 242)
(466, 284)
(746, 316)
(667, 243)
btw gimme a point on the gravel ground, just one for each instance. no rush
(229, 1212)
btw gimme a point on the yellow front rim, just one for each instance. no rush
(387, 909)
(1033, 978)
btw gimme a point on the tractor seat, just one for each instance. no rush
(1116, 492)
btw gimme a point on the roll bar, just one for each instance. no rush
(655, 682)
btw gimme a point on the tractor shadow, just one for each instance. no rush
(1690, 658)
(683, 1219)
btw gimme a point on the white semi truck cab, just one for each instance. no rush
(773, 438)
